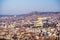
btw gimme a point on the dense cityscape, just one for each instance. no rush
(32, 26)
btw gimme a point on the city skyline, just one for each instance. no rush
(16, 7)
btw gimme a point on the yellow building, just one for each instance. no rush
(38, 22)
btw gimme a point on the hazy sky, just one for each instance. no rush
(16, 7)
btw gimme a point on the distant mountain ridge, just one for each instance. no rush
(39, 13)
(32, 13)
